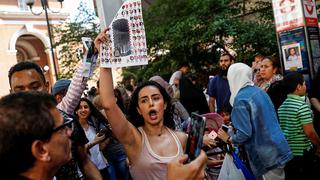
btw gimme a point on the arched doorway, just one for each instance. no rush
(30, 48)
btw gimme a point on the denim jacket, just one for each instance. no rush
(257, 128)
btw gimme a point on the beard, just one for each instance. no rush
(223, 72)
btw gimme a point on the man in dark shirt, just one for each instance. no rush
(218, 88)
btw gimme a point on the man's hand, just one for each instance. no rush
(191, 171)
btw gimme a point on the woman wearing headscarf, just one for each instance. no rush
(257, 129)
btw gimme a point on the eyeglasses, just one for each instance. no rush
(68, 124)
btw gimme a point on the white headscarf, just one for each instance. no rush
(239, 76)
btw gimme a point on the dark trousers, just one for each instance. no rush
(303, 167)
(104, 173)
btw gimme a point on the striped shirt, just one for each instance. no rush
(293, 114)
(76, 88)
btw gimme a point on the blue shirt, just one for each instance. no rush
(257, 128)
(219, 89)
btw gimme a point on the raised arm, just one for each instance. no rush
(126, 133)
(76, 88)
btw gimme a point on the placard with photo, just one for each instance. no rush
(128, 39)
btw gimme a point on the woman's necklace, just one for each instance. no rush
(158, 134)
(161, 131)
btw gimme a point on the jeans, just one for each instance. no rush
(118, 168)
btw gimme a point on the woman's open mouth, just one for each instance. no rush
(153, 114)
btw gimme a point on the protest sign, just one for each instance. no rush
(128, 40)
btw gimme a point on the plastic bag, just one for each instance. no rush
(239, 164)
(229, 170)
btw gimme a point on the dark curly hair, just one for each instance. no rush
(137, 120)
(96, 118)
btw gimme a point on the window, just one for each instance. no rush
(22, 5)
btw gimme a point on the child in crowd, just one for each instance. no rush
(295, 119)
(215, 153)
(225, 112)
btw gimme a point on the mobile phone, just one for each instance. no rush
(225, 128)
(195, 135)
(89, 47)
(102, 132)
(212, 135)
(88, 57)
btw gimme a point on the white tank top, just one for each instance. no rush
(151, 166)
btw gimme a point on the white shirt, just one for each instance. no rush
(95, 154)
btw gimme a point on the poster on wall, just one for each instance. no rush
(295, 53)
(128, 40)
(292, 57)
(294, 50)
(288, 14)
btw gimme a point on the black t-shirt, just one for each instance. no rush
(192, 98)
(69, 171)
(278, 94)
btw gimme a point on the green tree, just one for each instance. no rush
(197, 30)
(68, 38)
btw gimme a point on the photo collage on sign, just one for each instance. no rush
(127, 33)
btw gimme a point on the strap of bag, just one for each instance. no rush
(246, 172)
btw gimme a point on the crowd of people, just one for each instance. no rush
(141, 134)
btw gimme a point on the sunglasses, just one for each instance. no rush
(68, 124)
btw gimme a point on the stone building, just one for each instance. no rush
(24, 36)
